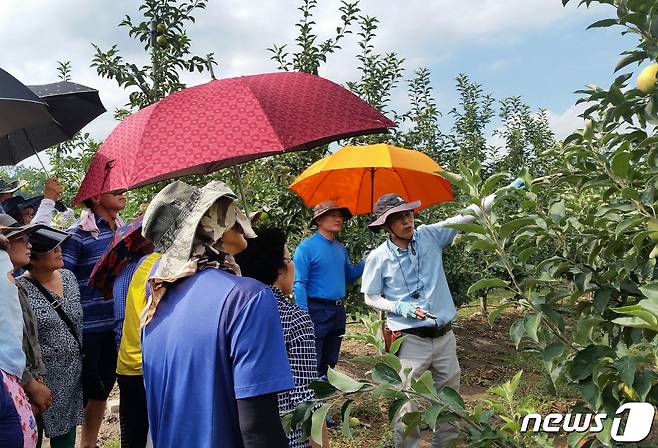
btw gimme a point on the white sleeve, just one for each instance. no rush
(378, 302)
(487, 203)
(44, 214)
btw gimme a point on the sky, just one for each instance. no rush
(536, 49)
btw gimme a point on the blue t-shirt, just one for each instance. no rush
(322, 269)
(214, 339)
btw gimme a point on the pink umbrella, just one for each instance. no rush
(224, 122)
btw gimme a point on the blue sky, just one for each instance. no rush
(543, 66)
(533, 48)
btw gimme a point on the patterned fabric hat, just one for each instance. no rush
(327, 206)
(183, 221)
(172, 217)
(388, 204)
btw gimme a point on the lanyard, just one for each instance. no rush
(415, 295)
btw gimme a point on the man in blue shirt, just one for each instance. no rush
(404, 277)
(90, 236)
(214, 357)
(322, 269)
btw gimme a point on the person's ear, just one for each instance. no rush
(96, 199)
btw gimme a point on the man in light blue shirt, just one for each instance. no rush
(322, 269)
(404, 277)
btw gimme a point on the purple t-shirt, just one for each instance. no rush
(215, 338)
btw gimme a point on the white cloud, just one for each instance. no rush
(567, 122)
(500, 64)
(36, 34)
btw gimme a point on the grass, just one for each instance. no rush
(112, 443)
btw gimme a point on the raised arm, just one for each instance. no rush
(487, 203)
(51, 193)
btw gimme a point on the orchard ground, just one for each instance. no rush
(487, 358)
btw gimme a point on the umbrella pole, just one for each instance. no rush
(209, 65)
(42, 165)
(372, 199)
(239, 181)
(36, 153)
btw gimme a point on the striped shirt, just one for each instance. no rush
(120, 294)
(299, 338)
(80, 253)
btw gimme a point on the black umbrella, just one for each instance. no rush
(19, 106)
(71, 106)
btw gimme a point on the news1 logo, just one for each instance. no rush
(638, 422)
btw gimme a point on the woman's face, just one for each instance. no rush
(19, 251)
(287, 275)
(233, 240)
(50, 261)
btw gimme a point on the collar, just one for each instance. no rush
(277, 292)
(323, 238)
(398, 250)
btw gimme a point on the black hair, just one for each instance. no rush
(88, 203)
(263, 257)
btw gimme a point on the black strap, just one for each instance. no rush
(54, 303)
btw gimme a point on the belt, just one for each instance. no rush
(429, 332)
(324, 301)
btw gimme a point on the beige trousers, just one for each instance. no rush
(439, 356)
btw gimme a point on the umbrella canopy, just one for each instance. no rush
(224, 122)
(19, 106)
(127, 246)
(70, 106)
(355, 176)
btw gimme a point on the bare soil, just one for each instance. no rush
(486, 355)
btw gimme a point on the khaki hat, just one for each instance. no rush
(327, 206)
(388, 204)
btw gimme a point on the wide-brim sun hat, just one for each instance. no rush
(327, 206)
(46, 239)
(173, 216)
(10, 228)
(11, 187)
(389, 204)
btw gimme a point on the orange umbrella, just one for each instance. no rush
(355, 176)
